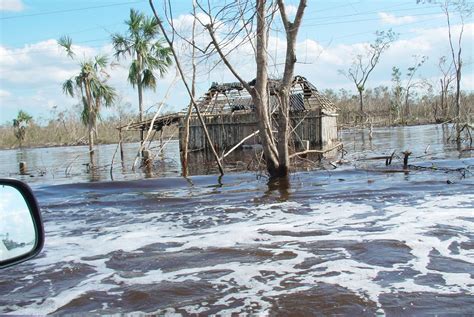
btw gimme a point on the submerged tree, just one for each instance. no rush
(402, 93)
(364, 64)
(461, 9)
(91, 86)
(148, 52)
(20, 124)
(249, 22)
(411, 82)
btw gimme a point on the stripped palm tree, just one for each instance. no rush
(20, 124)
(91, 85)
(148, 53)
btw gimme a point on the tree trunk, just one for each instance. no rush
(458, 102)
(284, 90)
(361, 101)
(140, 94)
(283, 133)
(407, 106)
(180, 70)
(184, 157)
(443, 109)
(260, 93)
(90, 124)
(361, 105)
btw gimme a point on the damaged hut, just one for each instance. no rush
(230, 117)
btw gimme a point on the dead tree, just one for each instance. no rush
(462, 9)
(183, 78)
(184, 155)
(363, 65)
(275, 149)
(445, 85)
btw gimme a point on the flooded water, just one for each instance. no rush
(351, 241)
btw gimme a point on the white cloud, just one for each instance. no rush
(388, 18)
(4, 93)
(11, 5)
(291, 9)
(31, 77)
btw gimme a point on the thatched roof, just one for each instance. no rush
(229, 97)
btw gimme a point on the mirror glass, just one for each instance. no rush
(17, 231)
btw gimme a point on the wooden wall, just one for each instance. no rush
(328, 130)
(226, 130)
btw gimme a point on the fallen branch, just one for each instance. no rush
(388, 158)
(240, 143)
(316, 151)
(150, 129)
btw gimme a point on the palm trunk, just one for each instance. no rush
(90, 124)
(140, 94)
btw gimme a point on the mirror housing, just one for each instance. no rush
(34, 223)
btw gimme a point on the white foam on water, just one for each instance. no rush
(257, 227)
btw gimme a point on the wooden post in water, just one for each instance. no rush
(23, 168)
(121, 145)
(405, 159)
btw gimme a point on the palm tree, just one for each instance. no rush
(148, 53)
(91, 84)
(20, 124)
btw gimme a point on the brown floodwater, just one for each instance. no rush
(349, 241)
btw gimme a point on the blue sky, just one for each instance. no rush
(32, 67)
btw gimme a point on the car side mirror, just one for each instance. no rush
(21, 228)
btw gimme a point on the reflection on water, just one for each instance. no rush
(69, 164)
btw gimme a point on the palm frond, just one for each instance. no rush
(85, 111)
(121, 45)
(68, 87)
(66, 43)
(150, 27)
(135, 22)
(133, 73)
(100, 62)
(149, 79)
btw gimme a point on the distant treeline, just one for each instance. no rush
(67, 129)
(381, 110)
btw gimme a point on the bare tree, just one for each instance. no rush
(232, 24)
(445, 82)
(275, 149)
(184, 154)
(363, 65)
(462, 9)
(411, 83)
(397, 92)
(170, 42)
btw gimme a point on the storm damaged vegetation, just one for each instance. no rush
(155, 44)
